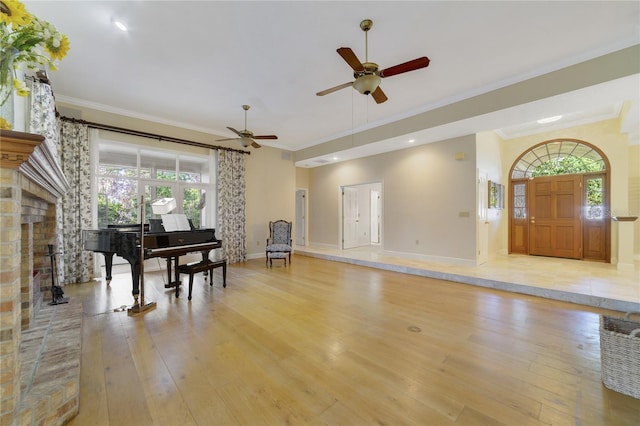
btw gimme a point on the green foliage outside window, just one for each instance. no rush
(565, 166)
(571, 165)
(118, 200)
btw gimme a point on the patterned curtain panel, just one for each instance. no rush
(42, 121)
(231, 206)
(42, 115)
(74, 208)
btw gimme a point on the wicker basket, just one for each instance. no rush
(620, 354)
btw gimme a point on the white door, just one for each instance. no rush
(375, 217)
(482, 225)
(301, 216)
(349, 217)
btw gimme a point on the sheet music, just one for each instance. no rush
(175, 222)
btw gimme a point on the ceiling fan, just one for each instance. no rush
(246, 137)
(367, 75)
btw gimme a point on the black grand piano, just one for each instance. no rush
(124, 240)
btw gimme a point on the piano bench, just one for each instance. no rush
(203, 266)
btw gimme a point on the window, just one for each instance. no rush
(127, 171)
(594, 196)
(557, 157)
(560, 157)
(520, 200)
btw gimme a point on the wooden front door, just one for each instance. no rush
(555, 226)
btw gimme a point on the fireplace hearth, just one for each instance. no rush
(31, 182)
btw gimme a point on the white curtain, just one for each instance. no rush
(231, 206)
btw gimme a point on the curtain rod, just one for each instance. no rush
(150, 135)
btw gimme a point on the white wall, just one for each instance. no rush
(271, 195)
(425, 193)
(489, 148)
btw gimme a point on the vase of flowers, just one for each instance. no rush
(27, 43)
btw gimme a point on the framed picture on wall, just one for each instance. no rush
(493, 195)
(496, 195)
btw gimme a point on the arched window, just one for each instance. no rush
(557, 157)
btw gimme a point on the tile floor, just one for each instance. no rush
(588, 283)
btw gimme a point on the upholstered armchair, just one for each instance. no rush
(279, 244)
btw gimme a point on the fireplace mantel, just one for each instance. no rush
(16, 147)
(32, 156)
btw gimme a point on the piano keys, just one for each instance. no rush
(124, 240)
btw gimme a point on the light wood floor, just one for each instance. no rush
(322, 342)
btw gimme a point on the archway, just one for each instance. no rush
(559, 201)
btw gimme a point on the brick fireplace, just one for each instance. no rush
(31, 181)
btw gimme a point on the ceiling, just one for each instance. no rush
(194, 64)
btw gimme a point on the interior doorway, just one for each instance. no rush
(361, 215)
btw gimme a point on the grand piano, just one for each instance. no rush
(124, 240)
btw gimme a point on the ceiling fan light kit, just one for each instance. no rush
(246, 137)
(367, 75)
(367, 83)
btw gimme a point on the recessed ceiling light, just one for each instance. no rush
(549, 119)
(120, 25)
(335, 158)
(412, 140)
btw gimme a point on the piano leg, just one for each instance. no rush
(205, 256)
(135, 276)
(173, 280)
(139, 306)
(169, 284)
(108, 266)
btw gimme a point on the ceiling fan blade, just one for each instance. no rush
(266, 137)
(234, 131)
(334, 89)
(255, 144)
(230, 139)
(378, 95)
(416, 64)
(350, 58)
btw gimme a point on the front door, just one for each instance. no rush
(555, 226)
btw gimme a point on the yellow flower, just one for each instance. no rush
(14, 13)
(4, 124)
(20, 87)
(58, 48)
